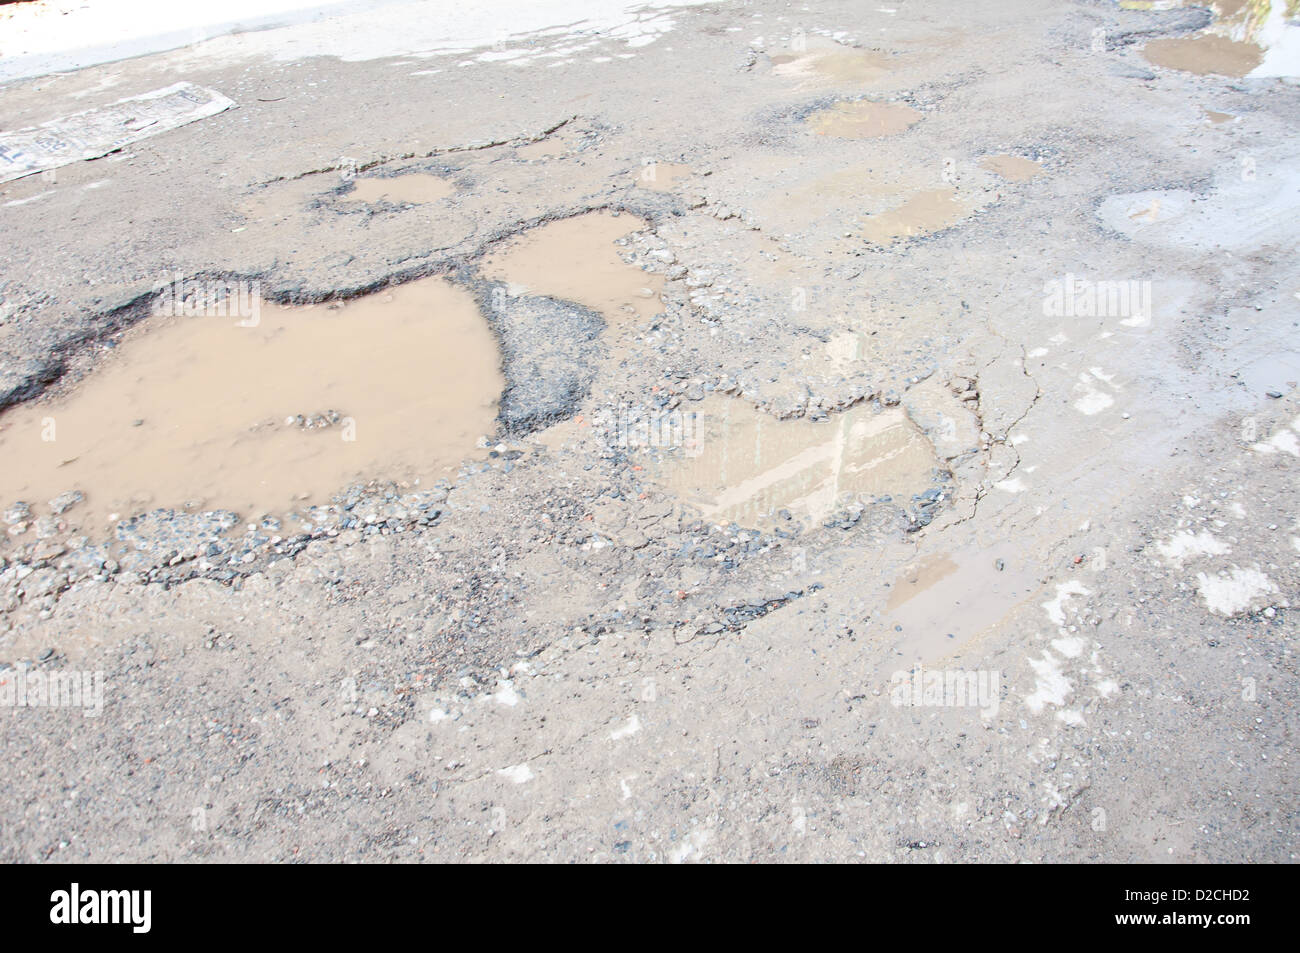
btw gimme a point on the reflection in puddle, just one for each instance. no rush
(1255, 38)
(414, 189)
(576, 260)
(745, 466)
(307, 400)
(835, 64)
(1274, 374)
(1012, 168)
(920, 214)
(1204, 54)
(863, 119)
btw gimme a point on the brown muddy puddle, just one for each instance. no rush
(920, 214)
(256, 414)
(1012, 168)
(661, 176)
(576, 260)
(863, 119)
(1205, 54)
(831, 64)
(736, 463)
(415, 188)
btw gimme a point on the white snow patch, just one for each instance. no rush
(1055, 608)
(1051, 687)
(518, 773)
(1185, 545)
(632, 727)
(1283, 440)
(1236, 592)
(1070, 646)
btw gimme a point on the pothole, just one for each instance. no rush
(415, 188)
(1012, 168)
(1204, 55)
(920, 214)
(833, 63)
(575, 259)
(737, 464)
(256, 413)
(863, 119)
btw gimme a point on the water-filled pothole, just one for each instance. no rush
(258, 411)
(921, 214)
(575, 259)
(738, 464)
(831, 63)
(415, 188)
(863, 119)
(1011, 167)
(1204, 55)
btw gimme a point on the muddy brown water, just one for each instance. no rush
(576, 260)
(415, 188)
(835, 64)
(1012, 168)
(919, 214)
(863, 119)
(1204, 54)
(203, 411)
(737, 463)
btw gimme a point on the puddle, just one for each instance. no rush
(1275, 374)
(661, 176)
(1012, 168)
(543, 149)
(863, 119)
(921, 214)
(738, 464)
(415, 188)
(946, 601)
(1204, 55)
(837, 64)
(576, 260)
(195, 410)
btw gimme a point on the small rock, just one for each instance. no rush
(18, 512)
(65, 501)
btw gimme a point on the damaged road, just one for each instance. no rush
(648, 432)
